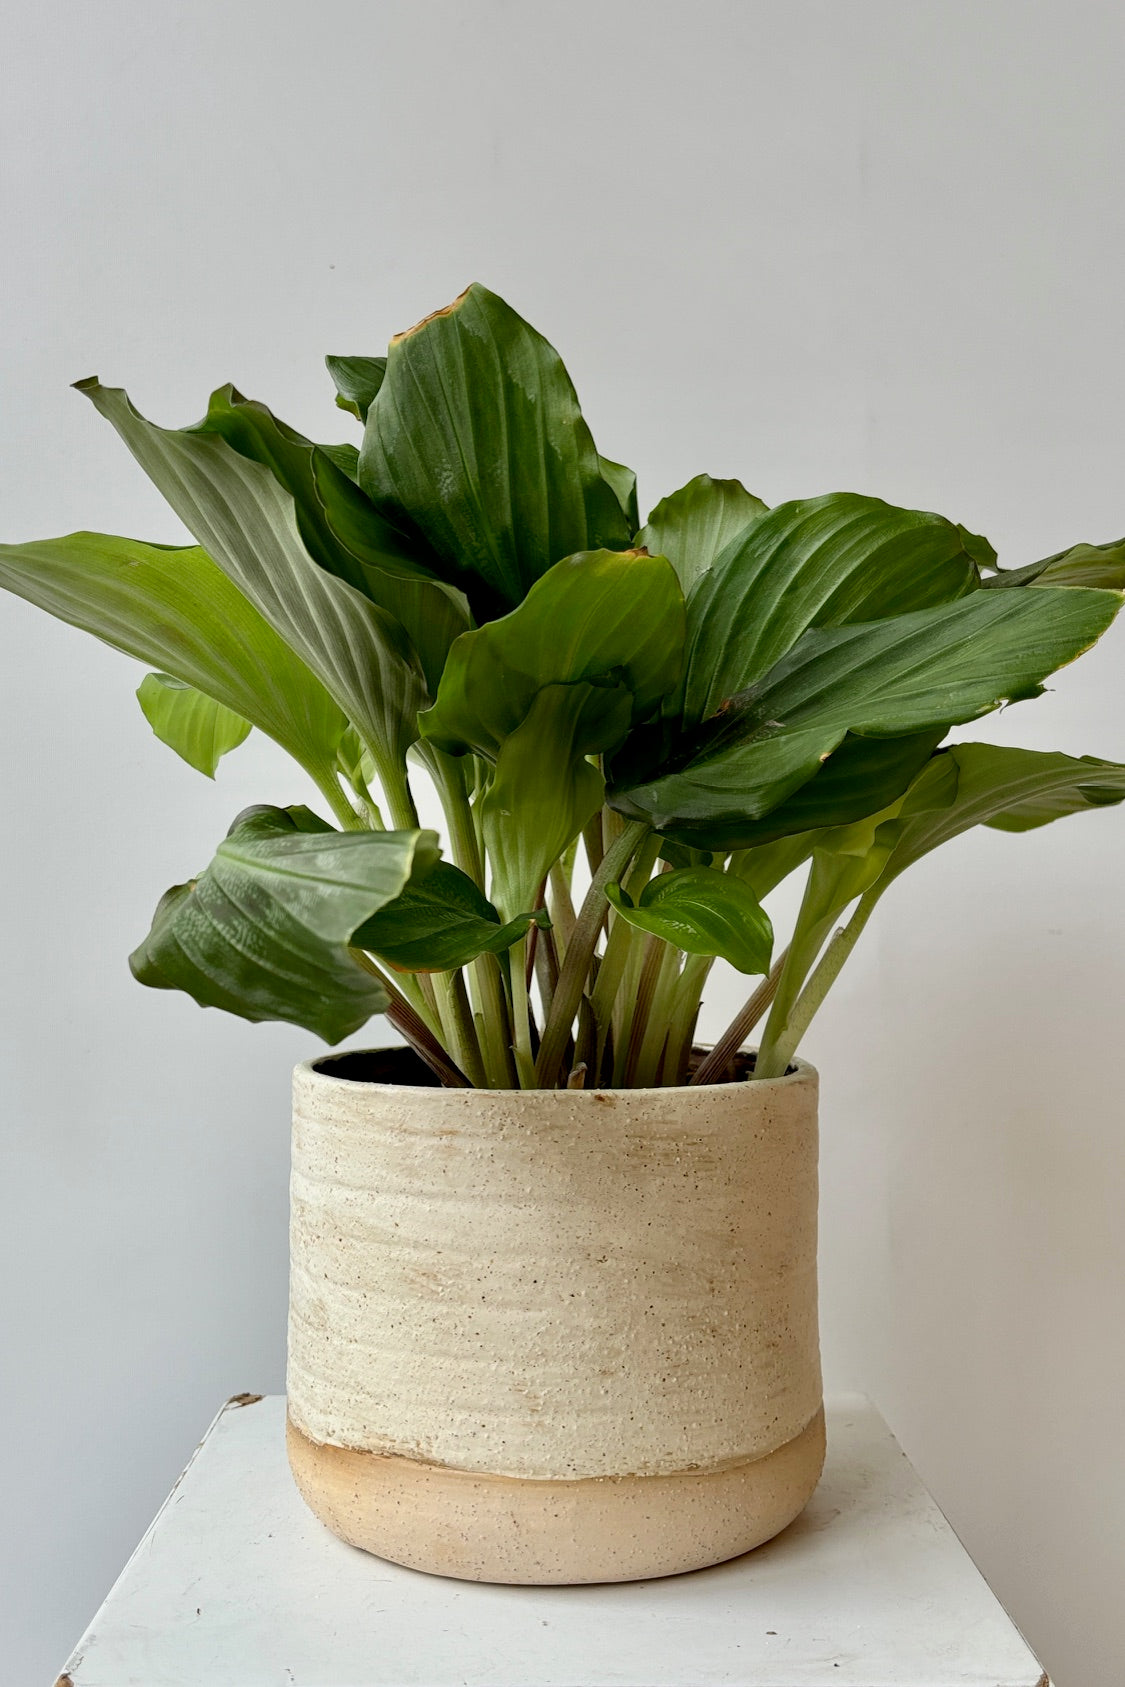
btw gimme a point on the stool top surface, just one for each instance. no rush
(236, 1582)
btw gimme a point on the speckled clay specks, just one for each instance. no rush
(555, 1287)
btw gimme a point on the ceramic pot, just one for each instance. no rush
(552, 1336)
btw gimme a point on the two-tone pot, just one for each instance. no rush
(552, 1336)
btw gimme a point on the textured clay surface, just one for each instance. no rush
(602, 1529)
(556, 1285)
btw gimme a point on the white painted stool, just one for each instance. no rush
(236, 1584)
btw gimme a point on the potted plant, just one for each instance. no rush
(553, 1311)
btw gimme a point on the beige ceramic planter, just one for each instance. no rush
(554, 1336)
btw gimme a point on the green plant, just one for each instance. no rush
(710, 702)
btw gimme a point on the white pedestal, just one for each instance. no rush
(236, 1584)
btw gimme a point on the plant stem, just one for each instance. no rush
(490, 1012)
(685, 1013)
(460, 1017)
(449, 777)
(521, 1016)
(560, 905)
(412, 1028)
(711, 1069)
(619, 940)
(592, 838)
(330, 788)
(546, 967)
(580, 953)
(396, 788)
(621, 1023)
(658, 1029)
(778, 1048)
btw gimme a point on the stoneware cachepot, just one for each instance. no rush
(552, 1336)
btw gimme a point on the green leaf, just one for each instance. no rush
(911, 674)
(858, 779)
(194, 725)
(1010, 790)
(341, 528)
(1082, 565)
(604, 617)
(345, 457)
(820, 562)
(264, 931)
(439, 924)
(624, 484)
(476, 441)
(172, 607)
(357, 381)
(246, 521)
(703, 912)
(964, 786)
(543, 790)
(692, 527)
(765, 866)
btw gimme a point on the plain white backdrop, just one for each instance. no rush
(863, 245)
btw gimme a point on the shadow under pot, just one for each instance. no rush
(552, 1336)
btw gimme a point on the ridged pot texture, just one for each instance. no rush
(502, 1301)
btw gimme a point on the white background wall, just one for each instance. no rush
(865, 245)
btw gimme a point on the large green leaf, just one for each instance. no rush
(910, 674)
(693, 527)
(703, 912)
(264, 931)
(1081, 565)
(1008, 789)
(601, 616)
(171, 606)
(858, 779)
(476, 441)
(341, 528)
(357, 381)
(439, 923)
(246, 521)
(964, 786)
(820, 562)
(194, 725)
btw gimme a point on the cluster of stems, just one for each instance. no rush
(590, 1001)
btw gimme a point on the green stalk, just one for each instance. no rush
(623, 1008)
(521, 1016)
(371, 808)
(396, 789)
(619, 940)
(330, 789)
(412, 1028)
(489, 1008)
(449, 777)
(711, 1070)
(458, 1015)
(496, 1041)
(685, 1013)
(646, 992)
(780, 1045)
(592, 838)
(659, 1028)
(580, 954)
(560, 906)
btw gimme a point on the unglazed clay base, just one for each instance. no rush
(516, 1529)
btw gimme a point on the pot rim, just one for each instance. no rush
(802, 1072)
